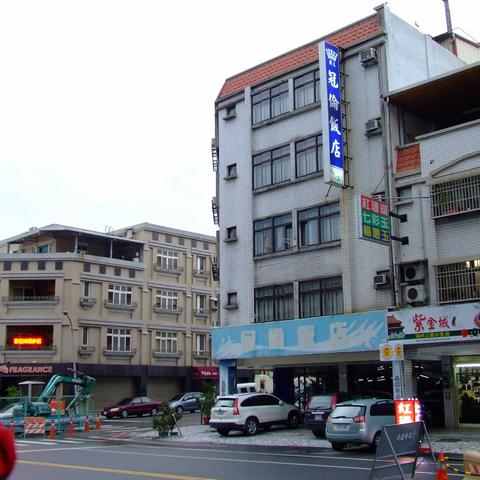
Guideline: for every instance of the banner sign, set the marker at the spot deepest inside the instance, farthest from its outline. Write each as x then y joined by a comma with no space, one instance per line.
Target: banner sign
331,114
26,369
373,220
335,333
407,411
444,323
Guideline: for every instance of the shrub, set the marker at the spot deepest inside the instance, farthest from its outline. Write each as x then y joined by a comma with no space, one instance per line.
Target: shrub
165,422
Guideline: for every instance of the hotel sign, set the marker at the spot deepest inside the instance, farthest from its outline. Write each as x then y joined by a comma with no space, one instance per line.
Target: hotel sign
331,112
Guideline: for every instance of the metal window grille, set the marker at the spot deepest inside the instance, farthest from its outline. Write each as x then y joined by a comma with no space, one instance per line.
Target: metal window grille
455,197
458,282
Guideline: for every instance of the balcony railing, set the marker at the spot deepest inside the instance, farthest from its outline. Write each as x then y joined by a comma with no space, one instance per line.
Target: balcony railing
168,271
21,350
201,312
201,354
167,311
215,210
458,282
86,350
167,355
120,306
200,273
35,299
120,353
87,302
214,155
455,197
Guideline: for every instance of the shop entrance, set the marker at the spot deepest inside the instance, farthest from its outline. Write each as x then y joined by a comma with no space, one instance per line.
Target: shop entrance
468,393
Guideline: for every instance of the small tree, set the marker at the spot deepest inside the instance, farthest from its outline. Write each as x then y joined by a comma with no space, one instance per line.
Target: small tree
13,391
207,402
165,421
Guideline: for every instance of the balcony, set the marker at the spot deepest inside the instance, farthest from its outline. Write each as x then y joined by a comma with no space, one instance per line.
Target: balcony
37,300
85,351
126,307
201,355
87,302
200,273
45,350
215,271
455,197
167,311
201,312
120,353
167,355
168,271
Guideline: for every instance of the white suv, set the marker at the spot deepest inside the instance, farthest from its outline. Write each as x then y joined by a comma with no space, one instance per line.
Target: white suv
249,411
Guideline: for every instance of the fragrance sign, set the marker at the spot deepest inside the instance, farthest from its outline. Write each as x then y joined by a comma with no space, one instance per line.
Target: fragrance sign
373,220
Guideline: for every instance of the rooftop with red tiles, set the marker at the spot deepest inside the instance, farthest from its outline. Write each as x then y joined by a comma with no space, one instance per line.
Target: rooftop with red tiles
347,36
408,158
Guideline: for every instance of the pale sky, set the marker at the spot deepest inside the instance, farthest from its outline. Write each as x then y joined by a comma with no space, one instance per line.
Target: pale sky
107,106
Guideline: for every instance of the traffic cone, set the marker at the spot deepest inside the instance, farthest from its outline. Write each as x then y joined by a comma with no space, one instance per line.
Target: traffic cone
98,424
12,428
87,425
53,432
442,473
70,430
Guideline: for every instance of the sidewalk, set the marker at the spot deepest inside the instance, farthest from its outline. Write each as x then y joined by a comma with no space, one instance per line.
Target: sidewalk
448,441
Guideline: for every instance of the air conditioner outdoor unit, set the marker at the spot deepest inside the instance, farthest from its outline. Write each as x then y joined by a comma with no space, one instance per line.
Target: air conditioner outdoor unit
413,272
414,293
368,56
372,126
381,280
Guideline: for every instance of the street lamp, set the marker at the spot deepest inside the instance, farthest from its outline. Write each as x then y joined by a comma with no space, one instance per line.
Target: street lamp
73,350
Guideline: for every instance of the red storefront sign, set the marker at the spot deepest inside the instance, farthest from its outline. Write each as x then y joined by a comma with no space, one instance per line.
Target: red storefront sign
407,411
205,373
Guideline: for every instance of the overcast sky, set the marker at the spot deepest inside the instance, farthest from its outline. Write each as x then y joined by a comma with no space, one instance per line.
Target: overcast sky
107,106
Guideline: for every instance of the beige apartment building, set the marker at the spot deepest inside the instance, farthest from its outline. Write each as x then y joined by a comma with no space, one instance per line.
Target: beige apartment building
132,308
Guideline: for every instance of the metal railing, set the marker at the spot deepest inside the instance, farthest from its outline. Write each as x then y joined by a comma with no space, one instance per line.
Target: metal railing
458,282
456,196
33,298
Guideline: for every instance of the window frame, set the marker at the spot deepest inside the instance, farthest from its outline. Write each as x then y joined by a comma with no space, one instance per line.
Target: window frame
166,341
319,218
270,226
119,294
323,289
119,340
269,96
271,158
303,146
167,259
200,338
314,82
274,297
166,300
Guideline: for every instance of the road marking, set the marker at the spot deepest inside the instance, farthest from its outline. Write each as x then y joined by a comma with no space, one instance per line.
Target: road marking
113,470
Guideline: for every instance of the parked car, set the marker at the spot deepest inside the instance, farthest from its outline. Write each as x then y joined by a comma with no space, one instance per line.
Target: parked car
185,402
247,412
133,406
318,409
359,422
33,409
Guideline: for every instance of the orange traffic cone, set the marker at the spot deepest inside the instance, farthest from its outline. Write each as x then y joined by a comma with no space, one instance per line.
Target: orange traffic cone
70,430
12,428
441,471
87,425
53,431
98,424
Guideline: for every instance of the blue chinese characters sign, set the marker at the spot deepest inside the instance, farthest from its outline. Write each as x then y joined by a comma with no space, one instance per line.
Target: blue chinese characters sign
337,333
331,100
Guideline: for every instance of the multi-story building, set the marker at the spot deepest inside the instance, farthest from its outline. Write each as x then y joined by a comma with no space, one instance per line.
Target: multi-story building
302,291
132,308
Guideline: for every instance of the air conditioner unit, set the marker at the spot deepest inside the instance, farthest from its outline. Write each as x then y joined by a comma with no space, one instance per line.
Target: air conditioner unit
381,279
372,126
414,293
412,273
368,56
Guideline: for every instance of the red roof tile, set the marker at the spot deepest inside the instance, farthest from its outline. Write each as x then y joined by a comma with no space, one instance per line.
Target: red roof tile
408,158
355,33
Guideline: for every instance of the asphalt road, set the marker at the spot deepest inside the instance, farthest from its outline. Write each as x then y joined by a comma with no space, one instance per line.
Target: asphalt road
83,457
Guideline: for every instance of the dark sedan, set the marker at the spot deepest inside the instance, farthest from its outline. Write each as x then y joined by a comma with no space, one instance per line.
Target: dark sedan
136,406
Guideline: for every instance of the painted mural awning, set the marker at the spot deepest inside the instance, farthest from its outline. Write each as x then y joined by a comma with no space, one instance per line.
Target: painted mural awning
356,332
205,373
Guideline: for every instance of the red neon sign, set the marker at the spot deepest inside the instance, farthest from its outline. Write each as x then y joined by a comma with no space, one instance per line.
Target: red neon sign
27,340
407,411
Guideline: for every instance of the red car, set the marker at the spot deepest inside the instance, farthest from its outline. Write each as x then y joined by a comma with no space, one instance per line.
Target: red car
136,406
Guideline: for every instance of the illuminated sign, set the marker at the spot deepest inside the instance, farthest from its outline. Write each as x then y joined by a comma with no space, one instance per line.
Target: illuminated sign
391,351
407,411
373,220
28,341
331,115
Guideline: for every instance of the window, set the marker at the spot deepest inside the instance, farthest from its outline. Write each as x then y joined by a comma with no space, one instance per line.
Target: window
201,264
307,89
319,225
230,111
459,282
167,342
321,297
274,303
273,234
167,300
131,273
201,303
206,246
102,269
58,265
232,170
7,266
232,233
168,238
155,236
232,299
23,265
181,241
271,167
41,265
200,343
456,196
118,340
308,156
86,267
194,243
86,289
119,295
84,336
42,249
117,271
270,103
167,259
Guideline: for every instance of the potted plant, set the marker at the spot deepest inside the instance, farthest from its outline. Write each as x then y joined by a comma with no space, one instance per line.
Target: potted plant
206,402
166,421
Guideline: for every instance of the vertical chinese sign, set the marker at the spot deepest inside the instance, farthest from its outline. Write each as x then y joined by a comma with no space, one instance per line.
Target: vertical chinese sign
331,101
407,411
373,220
